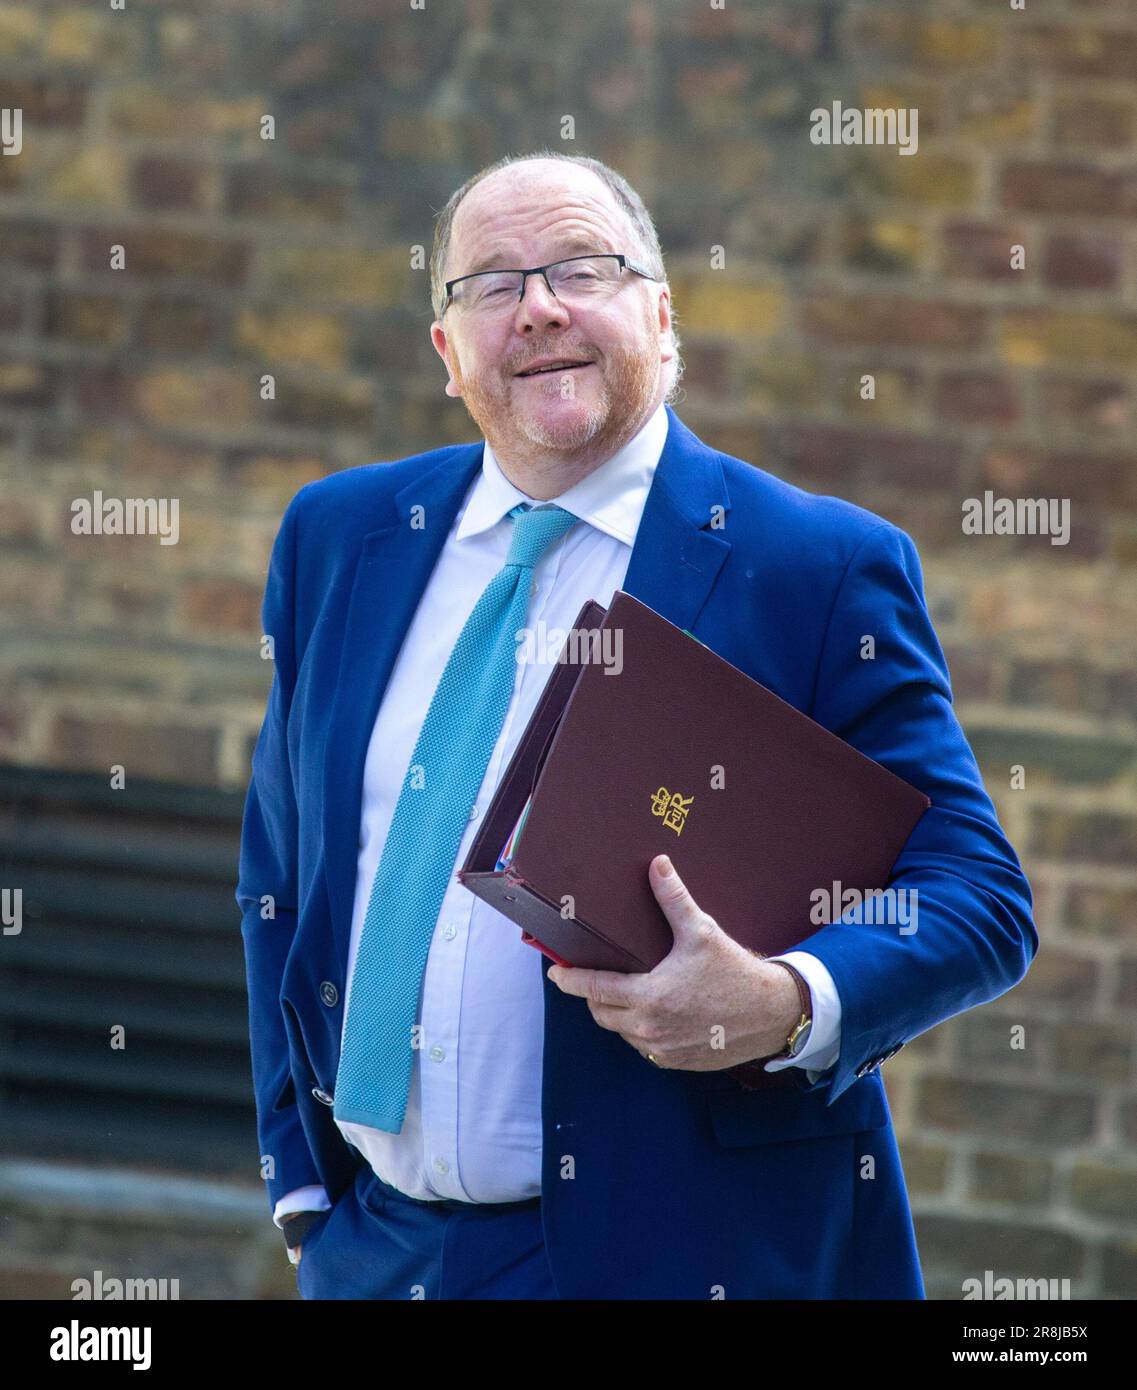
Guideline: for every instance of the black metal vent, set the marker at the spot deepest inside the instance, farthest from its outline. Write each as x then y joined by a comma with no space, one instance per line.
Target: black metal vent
128,917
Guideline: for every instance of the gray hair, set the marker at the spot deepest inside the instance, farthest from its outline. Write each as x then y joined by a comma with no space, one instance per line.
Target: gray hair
625,197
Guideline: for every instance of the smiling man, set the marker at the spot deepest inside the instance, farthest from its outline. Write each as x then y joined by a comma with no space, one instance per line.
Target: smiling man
441,1113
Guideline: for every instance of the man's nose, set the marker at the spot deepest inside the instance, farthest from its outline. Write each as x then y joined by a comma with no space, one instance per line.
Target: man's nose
539,302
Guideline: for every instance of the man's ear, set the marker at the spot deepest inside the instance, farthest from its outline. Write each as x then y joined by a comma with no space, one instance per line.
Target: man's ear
438,338
663,309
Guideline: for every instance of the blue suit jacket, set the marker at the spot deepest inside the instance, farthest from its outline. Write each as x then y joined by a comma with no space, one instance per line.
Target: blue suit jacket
656,1183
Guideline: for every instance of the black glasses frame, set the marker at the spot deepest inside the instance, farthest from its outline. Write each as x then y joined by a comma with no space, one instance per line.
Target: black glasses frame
540,270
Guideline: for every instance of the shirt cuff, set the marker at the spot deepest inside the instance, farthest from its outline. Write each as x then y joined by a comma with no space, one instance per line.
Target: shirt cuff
824,1045
300,1199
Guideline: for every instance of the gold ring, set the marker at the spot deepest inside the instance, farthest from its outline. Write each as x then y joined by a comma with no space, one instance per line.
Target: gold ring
652,1059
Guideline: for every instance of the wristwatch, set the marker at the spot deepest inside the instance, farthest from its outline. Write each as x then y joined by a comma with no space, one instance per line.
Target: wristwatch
295,1226
799,1033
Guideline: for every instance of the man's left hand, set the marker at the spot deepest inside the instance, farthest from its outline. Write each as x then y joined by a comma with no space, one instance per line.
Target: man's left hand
709,1004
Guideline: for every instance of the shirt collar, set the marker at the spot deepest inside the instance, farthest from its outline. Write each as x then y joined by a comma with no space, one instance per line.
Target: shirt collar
611,497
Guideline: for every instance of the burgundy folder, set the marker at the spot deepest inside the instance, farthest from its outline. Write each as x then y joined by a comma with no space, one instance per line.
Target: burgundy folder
646,742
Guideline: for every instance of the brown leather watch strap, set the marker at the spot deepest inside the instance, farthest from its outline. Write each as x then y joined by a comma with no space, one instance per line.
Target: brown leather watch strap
806,1001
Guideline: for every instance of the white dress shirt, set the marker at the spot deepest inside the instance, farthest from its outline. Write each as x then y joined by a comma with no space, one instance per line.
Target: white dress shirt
472,1129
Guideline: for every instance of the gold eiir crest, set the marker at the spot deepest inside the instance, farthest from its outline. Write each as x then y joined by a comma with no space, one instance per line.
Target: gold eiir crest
672,807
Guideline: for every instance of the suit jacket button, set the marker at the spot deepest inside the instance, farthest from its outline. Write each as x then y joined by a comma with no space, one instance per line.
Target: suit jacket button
322,1096
329,994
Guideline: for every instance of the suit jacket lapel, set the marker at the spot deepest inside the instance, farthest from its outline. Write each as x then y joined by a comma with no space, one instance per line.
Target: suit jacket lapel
674,560
394,566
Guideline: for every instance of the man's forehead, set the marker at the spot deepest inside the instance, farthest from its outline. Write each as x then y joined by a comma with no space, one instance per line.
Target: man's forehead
501,208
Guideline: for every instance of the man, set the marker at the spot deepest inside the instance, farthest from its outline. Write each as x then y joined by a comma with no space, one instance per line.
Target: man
442,1113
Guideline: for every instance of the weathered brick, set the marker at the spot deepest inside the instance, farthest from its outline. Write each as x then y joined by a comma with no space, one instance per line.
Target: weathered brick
110,600
1102,404
977,397
926,1168
1065,683
28,384
1078,261
1063,188
981,250
1051,759
80,317
89,176
32,586
86,40
1034,337
172,184
990,1037
1119,1267
1092,121
207,395
1080,50
882,243
1094,837
891,319
1101,1051
278,333
716,303
898,393
19,522
14,722
940,44
345,273
52,101
29,243
968,1247
21,31
824,452
894,90
101,390
153,110
194,45
1058,978
162,459
253,191
1011,1111
1100,911
171,751
1014,1178
1098,480
420,135
177,324
343,404
153,251
221,605
1105,1189
11,313
283,474
938,180
989,114
972,670
1125,995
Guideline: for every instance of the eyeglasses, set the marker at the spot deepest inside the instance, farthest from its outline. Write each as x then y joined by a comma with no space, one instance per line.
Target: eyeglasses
575,280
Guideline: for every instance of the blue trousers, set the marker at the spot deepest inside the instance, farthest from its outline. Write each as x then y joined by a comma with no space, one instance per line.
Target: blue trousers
376,1242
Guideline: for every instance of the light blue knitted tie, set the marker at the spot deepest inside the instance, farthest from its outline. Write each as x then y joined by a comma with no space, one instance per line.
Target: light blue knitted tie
446,772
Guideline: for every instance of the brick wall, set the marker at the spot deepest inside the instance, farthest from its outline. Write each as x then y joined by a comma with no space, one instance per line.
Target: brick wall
293,257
